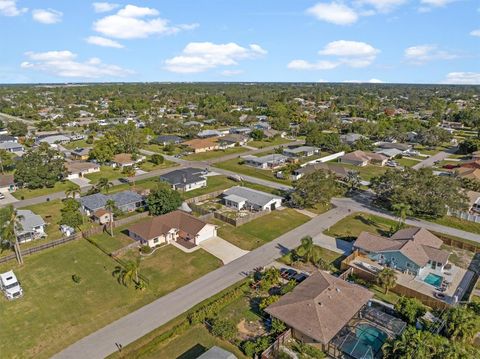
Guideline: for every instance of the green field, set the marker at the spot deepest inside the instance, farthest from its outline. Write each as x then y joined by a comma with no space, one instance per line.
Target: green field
458,223
267,143
366,172
214,183
407,162
105,172
205,156
55,311
235,165
261,230
77,144
148,166
327,255
26,193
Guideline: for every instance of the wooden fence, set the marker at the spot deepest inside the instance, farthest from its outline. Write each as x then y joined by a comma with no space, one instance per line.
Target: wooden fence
42,247
272,351
204,197
236,222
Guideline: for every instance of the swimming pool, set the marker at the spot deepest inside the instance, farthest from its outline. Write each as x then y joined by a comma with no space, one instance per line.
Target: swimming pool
433,279
367,342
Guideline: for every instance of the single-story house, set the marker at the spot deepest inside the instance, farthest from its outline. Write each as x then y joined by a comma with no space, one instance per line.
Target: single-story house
193,124
54,139
198,145
339,171
233,140
410,250
320,307
125,201
469,173
361,158
398,146
241,130
79,169
7,183
265,162
126,160
173,226
209,133
389,152
185,179
217,353
33,226
474,201
351,138
7,138
270,133
102,216
261,126
167,139
80,154
301,151
241,198
11,147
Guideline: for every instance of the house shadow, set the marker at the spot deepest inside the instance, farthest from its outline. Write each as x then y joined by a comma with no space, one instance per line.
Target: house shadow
283,250
193,352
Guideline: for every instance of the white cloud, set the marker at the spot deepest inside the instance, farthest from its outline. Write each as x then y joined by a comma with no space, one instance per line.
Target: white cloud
376,81
47,16
130,23
463,78
475,33
100,7
231,72
9,8
371,81
422,54
382,6
349,53
64,64
104,42
436,3
202,56
305,65
334,12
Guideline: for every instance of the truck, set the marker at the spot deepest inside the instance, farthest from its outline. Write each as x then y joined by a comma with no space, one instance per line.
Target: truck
10,286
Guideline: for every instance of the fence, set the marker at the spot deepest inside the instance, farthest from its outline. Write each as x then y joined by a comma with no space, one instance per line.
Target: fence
236,222
272,351
465,216
204,197
118,223
326,158
52,244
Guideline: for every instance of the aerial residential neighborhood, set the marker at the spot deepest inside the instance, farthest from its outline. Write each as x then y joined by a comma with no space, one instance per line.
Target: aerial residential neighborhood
243,179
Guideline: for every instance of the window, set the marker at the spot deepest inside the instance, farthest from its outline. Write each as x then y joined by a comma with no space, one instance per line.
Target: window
155,240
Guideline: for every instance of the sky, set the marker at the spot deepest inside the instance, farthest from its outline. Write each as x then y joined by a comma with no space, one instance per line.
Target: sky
391,41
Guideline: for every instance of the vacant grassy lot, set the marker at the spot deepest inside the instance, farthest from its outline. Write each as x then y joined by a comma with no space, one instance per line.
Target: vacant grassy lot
148,166
458,223
105,172
26,193
205,156
262,230
350,227
327,255
235,165
214,183
267,143
366,172
55,311
407,162
77,144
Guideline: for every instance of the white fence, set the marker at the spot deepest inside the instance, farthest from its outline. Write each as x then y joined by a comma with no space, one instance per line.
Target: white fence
465,216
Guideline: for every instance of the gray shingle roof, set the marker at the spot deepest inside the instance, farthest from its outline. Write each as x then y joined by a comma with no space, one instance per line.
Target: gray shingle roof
99,200
250,195
183,176
29,221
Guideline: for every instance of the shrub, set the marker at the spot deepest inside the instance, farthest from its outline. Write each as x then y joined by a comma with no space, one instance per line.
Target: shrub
157,159
224,328
145,249
76,278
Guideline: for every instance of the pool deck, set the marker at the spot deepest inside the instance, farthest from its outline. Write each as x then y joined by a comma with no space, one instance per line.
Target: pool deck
458,278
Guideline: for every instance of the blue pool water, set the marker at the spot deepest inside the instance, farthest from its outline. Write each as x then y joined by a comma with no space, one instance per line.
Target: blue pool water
369,340
433,279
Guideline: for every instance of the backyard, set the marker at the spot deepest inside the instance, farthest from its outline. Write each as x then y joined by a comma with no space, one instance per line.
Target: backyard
261,230
365,172
54,306
25,193
205,156
268,143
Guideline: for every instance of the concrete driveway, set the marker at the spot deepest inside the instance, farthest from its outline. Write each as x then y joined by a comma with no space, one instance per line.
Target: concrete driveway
8,199
81,182
223,250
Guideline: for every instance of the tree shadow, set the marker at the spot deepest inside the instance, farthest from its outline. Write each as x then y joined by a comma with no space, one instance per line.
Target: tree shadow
193,352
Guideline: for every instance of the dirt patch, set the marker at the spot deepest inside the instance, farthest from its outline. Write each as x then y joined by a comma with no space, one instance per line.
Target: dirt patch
463,258
250,329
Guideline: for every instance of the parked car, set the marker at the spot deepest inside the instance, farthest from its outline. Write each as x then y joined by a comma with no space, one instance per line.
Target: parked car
2,196
235,178
300,277
392,164
123,180
10,286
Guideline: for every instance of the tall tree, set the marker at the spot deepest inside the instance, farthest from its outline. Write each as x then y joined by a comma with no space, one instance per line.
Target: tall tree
104,184
130,274
315,188
110,207
163,200
10,226
387,279
73,191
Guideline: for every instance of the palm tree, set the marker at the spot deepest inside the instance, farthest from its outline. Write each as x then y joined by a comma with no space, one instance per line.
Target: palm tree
4,157
462,324
73,191
10,225
104,184
402,210
387,279
353,180
110,207
130,172
129,274
307,248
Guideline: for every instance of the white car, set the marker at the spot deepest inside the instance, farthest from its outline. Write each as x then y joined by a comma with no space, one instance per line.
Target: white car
10,286
392,164
2,196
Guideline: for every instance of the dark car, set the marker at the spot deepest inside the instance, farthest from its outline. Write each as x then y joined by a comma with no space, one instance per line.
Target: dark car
300,277
123,180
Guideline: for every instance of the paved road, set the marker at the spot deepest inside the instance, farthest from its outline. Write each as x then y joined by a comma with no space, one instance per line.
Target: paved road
440,156
137,324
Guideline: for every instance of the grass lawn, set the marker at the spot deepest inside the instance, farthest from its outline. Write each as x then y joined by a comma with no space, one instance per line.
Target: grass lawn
390,297
235,166
350,227
109,243
77,144
366,172
148,166
50,212
458,223
267,143
261,230
159,149
149,183
107,172
214,183
26,193
407,162
329,256
205,156
55,311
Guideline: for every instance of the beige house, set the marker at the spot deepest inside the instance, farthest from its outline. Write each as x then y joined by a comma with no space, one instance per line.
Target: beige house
126,160
79,169
361,158
102,216
199,145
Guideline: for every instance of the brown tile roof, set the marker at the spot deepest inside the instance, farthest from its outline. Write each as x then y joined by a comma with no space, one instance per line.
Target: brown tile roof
160,225
364,156
198,143
6,180
74,167
437,255
373,243
471,173
100,213
320,306
420,236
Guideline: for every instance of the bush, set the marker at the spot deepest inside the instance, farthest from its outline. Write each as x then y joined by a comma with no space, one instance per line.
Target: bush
157,159
76,278
410,309
256,346
224,329
145,249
